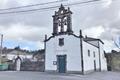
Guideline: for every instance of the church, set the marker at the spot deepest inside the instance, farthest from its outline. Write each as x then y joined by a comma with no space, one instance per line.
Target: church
66,52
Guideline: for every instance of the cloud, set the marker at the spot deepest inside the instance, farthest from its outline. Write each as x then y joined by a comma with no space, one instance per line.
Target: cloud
99,19
3,3
109,45
107,3
94,31
23,32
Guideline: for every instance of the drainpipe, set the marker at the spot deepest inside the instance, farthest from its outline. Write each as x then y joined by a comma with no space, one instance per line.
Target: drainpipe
45,51
99,56
81,51
1,49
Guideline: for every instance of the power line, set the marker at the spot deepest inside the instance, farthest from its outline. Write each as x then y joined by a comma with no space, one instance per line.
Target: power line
30,10
52,7
32,5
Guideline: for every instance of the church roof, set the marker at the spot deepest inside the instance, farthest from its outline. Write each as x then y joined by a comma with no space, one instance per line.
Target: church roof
92,39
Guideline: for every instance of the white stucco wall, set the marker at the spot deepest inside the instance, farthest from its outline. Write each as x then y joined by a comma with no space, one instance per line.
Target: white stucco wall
14,56
15,53
89,60
71,48
103,59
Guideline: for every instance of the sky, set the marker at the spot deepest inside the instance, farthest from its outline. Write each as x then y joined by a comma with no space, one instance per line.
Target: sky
99,20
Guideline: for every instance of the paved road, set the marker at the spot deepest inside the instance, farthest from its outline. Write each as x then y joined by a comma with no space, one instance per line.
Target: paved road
9,75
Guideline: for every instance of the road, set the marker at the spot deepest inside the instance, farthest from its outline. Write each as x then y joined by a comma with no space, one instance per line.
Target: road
12,75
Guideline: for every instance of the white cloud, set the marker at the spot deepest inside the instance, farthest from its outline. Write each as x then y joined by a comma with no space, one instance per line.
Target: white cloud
26,48
3,3
33,25
106,3
23,32
94,31
109,45
40,45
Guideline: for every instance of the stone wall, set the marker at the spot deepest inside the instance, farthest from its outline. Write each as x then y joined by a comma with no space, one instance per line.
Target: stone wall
29,66
32,66
113,61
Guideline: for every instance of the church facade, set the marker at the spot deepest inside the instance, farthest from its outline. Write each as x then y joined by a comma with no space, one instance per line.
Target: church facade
66,52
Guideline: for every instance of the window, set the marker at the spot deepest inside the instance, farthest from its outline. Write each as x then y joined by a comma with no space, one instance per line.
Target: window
94,53
61,41
89,53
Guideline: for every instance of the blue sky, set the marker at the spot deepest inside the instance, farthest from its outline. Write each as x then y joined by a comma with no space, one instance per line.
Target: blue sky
22,44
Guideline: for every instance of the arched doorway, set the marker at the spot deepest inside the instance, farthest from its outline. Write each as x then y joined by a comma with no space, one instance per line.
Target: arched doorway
17,63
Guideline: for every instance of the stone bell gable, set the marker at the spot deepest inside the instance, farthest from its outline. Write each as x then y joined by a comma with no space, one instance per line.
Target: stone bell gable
62,22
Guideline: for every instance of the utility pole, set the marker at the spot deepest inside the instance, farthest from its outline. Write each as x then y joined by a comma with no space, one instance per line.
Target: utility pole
1,48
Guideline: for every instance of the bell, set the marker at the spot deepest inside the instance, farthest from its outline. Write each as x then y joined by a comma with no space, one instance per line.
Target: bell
59,24
65,23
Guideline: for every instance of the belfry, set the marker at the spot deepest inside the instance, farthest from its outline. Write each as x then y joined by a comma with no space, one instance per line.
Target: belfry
62,23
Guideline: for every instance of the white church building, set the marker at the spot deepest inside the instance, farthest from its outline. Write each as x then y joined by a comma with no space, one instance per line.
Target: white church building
66,52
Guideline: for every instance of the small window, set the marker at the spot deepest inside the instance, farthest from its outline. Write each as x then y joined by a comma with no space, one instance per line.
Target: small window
94,53
89,53
61,41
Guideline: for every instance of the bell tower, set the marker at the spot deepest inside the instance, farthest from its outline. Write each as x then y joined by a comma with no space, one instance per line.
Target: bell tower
62,22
